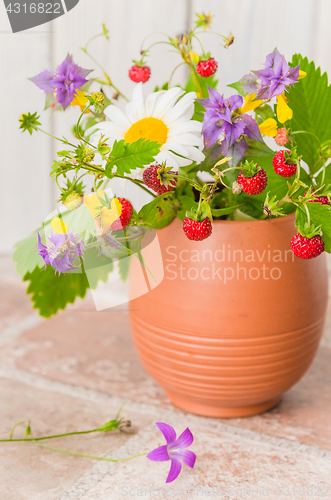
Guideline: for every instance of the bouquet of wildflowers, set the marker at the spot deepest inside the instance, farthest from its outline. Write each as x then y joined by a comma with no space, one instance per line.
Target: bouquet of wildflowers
261,153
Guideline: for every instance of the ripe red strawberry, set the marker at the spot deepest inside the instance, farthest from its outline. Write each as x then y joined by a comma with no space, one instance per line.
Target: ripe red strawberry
125,217
207,68
307,248
139,73
281,137
197,230
324,200
151,177
281,167
255,184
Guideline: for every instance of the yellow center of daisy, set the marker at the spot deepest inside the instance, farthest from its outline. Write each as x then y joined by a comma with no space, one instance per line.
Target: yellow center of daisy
151,129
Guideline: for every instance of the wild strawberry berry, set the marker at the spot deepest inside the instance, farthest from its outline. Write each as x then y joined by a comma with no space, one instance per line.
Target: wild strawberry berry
151,177
73,201
281,137
255,184
307,248
139,73
281,167
125,217
324,200
197,230
207,68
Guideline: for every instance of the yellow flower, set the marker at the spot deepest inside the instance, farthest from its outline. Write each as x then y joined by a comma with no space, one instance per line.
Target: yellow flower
250,104
80,100
284,112
269,127
59,226
302,74
109,215
93,202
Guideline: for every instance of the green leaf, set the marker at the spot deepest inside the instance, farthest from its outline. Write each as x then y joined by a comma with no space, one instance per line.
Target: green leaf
256,149
310,100
51,293
190,86
320,215
128,157
276,186
218,212
159,212
26,255
187,204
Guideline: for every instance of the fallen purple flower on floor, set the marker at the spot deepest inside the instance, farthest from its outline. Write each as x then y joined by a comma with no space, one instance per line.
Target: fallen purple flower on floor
175,450
64,81
60,251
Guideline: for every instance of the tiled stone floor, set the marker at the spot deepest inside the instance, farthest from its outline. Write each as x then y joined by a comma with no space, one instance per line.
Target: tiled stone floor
74,371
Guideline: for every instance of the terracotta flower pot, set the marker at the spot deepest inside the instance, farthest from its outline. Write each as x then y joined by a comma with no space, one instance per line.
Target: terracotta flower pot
236,320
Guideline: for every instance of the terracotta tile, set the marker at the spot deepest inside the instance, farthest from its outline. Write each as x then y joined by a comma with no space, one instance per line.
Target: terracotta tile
28,472
95,350
91,349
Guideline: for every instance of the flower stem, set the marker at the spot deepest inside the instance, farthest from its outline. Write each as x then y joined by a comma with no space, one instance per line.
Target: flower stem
172,74
137,182
54,137
88,456
45,437
77,127
307,132
200,92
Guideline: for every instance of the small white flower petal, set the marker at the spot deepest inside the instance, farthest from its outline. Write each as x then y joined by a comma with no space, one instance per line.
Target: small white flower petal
138,101
195,154
150,102
190,139
185,104
116,115
167,102
188,127
176,148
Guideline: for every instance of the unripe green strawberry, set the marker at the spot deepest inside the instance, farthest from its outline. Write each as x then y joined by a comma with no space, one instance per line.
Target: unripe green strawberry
73,201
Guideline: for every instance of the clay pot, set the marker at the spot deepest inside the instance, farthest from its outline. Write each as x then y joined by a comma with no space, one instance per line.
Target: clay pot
235,321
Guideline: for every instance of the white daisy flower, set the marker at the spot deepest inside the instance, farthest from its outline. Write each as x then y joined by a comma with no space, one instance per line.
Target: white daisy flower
160,117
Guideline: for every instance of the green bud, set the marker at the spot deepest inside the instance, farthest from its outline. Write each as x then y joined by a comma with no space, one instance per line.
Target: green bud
29,122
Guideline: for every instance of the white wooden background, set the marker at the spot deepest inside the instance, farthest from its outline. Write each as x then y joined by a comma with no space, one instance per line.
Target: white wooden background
26,192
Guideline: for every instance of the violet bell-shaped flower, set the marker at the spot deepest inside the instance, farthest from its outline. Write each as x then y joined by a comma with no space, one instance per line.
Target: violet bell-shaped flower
64,81
61,251
175,450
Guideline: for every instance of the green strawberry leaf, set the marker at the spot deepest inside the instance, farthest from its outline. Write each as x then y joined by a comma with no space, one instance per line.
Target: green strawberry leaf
128,157
26,256
310,100
51,293
320,215
187,204
158,213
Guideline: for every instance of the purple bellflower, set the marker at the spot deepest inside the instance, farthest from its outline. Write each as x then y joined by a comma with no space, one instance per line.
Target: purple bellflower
270,81
175,450
60,251
224,122
64,81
